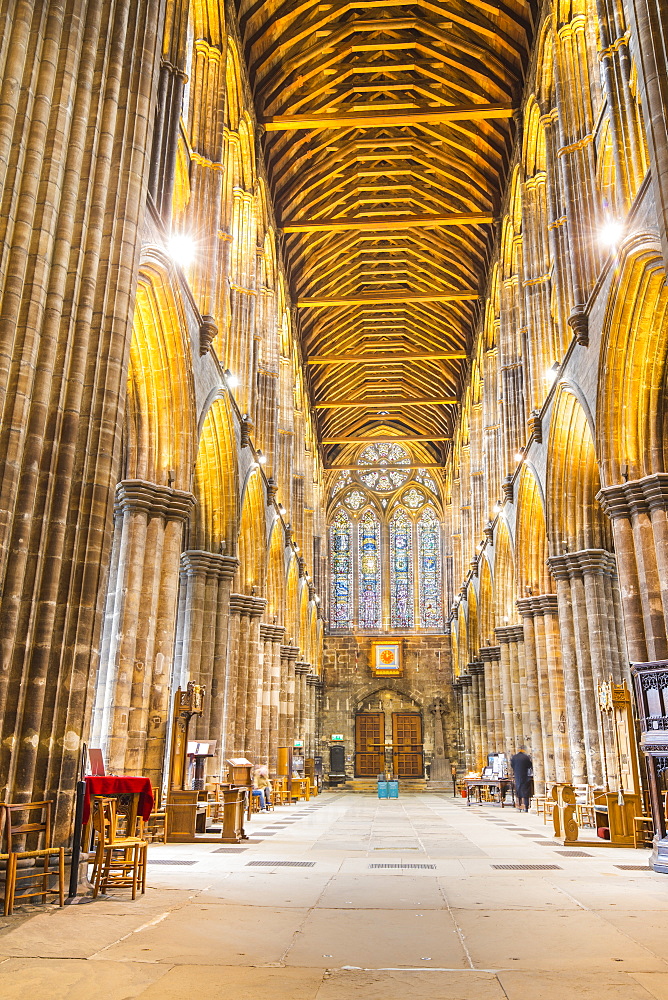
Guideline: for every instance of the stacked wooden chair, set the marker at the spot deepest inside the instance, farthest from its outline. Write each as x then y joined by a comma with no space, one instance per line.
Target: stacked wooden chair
35,829
119,861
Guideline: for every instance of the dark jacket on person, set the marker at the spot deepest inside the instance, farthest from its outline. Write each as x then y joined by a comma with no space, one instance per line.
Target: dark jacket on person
523,773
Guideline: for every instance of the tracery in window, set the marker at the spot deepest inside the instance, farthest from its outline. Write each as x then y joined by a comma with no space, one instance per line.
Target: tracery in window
355,499
369,607
423,477
402,613
429,571
341,563
414,498
384,453
344,479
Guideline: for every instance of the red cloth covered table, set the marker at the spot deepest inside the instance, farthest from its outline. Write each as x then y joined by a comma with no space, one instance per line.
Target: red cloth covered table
120,784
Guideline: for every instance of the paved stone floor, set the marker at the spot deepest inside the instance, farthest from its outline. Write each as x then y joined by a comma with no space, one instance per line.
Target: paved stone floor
348,896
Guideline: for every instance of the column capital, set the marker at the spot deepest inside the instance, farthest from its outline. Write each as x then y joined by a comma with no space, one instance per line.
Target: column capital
139,495
573,564
313,680
536,607
271,633
244,604
197,561
289,653
509,633
489,653
463,681
302,668
476,668
639,496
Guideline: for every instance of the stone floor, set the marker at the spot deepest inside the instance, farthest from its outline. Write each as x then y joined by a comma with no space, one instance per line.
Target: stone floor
348,896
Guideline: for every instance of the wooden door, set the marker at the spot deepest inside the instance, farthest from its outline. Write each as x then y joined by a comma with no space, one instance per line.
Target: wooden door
407,750
369,744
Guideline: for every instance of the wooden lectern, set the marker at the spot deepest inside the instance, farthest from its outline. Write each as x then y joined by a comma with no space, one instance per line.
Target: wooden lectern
182,802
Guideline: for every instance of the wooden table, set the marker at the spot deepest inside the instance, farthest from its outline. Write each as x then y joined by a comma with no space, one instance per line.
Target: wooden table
499,787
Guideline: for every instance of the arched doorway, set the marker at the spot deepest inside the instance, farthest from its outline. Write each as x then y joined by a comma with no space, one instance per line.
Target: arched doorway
389,736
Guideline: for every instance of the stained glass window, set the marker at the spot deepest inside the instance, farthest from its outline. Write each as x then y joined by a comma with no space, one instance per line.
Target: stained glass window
429,571
341,562
423,477
384,480
368,534
401,572
342,481
414,498
384,453
355,499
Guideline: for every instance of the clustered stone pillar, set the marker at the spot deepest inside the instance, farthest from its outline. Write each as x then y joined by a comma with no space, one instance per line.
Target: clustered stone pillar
270,636
512,669
463,686
313,685
592,649
543,663
476,671
301,699
286,717
638,510
132,708
203,638
242,726
490,657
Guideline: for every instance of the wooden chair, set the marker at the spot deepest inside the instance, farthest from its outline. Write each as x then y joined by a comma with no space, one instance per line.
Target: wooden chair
156,825
585,813
120,862
544,804
36,828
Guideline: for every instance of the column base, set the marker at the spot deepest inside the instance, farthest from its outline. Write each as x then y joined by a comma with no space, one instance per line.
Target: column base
659,856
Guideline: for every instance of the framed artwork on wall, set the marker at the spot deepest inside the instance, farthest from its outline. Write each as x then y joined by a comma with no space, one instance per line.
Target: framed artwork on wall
386,659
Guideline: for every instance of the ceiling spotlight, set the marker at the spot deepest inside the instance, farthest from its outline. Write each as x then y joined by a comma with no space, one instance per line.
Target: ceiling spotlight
181,249
383,413
232,380
611,233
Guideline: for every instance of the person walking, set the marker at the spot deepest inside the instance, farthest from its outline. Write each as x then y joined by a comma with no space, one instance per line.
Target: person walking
522,766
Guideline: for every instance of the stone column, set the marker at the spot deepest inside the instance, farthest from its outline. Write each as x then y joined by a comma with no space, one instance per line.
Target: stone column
534,698
132,704
465,684
202,647
574,715
515,648
274,696
254,667
638,510
233,644
477,672
490,656
505,635
301,698
313,683
286,724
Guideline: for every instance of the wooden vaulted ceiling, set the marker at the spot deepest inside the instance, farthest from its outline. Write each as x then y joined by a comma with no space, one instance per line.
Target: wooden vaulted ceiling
388,127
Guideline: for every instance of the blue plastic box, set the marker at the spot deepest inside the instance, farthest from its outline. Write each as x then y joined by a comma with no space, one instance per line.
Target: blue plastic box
382,789
393,789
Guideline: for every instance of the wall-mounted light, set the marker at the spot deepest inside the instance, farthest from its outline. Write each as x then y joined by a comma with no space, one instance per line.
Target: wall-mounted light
281,509
519,455
232,380
552,372
181,249
262,459
497,508
611,233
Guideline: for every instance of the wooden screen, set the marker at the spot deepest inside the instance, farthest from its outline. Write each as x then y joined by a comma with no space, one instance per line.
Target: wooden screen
407,751
369,744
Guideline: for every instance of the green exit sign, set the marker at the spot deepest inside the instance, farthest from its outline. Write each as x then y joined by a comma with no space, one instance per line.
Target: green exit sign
337,737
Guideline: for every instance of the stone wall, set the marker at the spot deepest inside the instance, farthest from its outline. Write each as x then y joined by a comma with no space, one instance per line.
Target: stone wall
349,687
